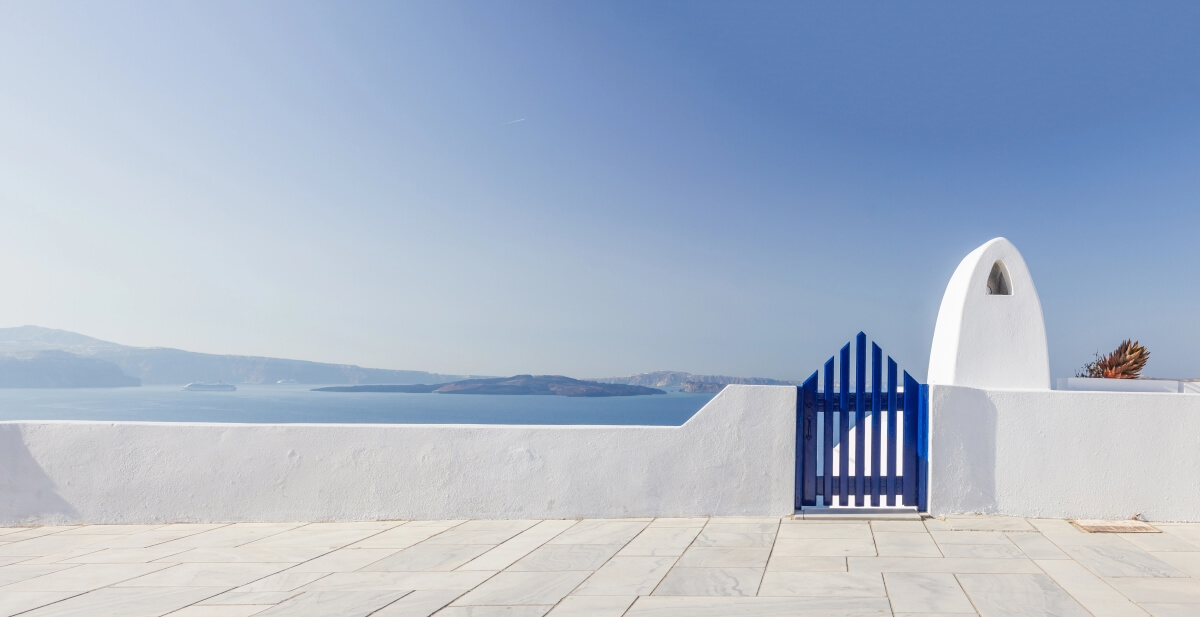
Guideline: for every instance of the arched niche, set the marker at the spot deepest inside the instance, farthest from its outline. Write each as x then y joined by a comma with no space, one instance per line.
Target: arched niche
990,331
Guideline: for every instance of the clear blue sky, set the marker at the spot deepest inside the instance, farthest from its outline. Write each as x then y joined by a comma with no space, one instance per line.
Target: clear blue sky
709,187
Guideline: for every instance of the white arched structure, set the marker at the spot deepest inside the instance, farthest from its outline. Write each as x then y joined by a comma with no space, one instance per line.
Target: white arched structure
990,332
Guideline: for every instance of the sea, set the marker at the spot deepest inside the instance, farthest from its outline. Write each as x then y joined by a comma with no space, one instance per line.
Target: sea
299,404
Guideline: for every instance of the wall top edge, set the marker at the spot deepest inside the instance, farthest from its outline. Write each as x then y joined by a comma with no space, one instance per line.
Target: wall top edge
341,425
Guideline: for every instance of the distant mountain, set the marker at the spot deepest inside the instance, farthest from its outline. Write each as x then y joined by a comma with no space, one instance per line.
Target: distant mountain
162,365
521,384
59,369
675,379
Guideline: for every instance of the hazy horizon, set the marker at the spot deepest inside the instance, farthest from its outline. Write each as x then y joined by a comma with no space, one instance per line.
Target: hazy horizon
594,189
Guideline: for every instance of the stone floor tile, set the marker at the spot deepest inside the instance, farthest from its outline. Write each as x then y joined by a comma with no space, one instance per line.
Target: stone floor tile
719,557
421,603
983,551
316,537
936,615
829,548
1185,562
345,560
822,584
676,522
426,557
716,526
445,524
731,539
13,559
385,581
4,531
934,524
233,535
1094,594
114,602
1158,590
126,555
20,572
674,606
860,530
626,576
288,580
504,555
988,523
400,537
1019,595
926,592
666,541
464,535
905,544
210,610
104,530
494,611
806,563
54,558
592,606
86,577
1036,546
1159,542
745,520
710,582
1111,561
260,598
970,537
50,544
954,566
513,588
560,557
15,602
600,532
1189,532
248,554
157,536
204,575
899,526
1172,610
840,515
334,604
25,533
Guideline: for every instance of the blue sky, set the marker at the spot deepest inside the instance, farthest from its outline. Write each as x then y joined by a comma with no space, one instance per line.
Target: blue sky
710,187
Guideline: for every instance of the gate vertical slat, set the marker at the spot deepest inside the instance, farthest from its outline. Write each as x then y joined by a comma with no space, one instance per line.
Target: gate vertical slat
806,442
923,448
876,379
891,431
912,398
844,427
860,421
827,446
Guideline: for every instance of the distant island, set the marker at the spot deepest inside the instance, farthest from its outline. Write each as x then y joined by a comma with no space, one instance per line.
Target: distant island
551,385
677,379
59,369
166,366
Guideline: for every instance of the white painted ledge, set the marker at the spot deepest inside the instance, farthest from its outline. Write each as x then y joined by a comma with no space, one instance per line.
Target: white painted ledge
734,457
1089,384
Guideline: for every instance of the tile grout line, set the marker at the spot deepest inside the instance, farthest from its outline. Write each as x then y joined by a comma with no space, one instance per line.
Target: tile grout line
774,541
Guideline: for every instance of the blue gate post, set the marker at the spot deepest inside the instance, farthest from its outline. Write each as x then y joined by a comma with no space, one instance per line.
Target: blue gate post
806,443
909,477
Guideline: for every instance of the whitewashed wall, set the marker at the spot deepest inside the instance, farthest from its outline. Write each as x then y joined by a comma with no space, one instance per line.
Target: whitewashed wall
1064,454
736,456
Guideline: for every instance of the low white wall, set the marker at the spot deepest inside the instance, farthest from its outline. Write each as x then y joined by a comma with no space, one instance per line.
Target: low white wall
735,456
1064,454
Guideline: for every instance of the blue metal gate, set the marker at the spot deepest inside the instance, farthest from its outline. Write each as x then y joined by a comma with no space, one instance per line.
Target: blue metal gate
833,463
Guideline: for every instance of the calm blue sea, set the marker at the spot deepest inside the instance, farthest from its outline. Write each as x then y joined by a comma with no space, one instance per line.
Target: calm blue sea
279,403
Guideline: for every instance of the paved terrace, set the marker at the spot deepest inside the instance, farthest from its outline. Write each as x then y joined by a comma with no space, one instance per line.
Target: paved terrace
986,566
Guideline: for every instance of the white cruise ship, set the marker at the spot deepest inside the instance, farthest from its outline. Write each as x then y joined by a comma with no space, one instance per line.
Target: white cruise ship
198,386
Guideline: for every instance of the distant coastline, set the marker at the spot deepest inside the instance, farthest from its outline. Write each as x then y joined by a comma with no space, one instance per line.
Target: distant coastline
545,385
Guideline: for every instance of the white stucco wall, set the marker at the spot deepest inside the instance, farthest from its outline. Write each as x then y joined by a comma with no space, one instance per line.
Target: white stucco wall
1064,454
990,341
735,456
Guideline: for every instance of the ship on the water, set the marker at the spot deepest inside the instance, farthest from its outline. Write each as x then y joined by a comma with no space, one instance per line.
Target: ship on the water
198,386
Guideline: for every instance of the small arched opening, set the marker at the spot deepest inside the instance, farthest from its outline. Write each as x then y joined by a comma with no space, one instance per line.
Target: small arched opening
998,282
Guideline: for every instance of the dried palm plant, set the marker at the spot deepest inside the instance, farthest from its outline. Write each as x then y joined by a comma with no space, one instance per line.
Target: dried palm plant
1126,362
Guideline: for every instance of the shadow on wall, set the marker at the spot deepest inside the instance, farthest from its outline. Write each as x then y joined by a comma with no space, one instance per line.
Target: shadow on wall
26,492
966,456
